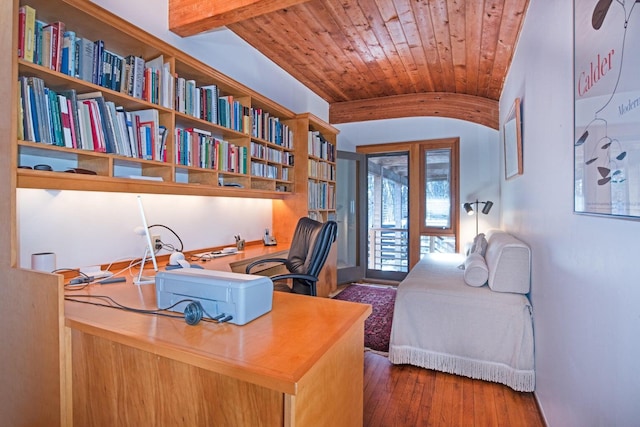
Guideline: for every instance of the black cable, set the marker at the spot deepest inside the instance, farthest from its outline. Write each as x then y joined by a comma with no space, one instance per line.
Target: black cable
193,313
174,233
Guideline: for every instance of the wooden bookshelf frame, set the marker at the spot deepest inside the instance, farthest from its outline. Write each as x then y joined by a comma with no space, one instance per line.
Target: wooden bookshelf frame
94,22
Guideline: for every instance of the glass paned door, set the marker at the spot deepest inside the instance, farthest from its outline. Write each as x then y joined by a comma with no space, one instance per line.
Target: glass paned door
388,215
351,225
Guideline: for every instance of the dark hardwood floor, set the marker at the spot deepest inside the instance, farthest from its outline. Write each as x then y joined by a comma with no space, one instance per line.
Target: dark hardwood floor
403,395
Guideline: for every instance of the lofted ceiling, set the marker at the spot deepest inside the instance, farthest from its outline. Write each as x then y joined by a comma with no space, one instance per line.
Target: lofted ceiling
376,59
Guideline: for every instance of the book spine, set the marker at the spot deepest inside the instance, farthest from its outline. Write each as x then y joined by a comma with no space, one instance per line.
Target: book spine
65,121
53,57
55,118
85,59
22,18
47,36
96,76
85,126
37,42
68,66
138,77
73,123
106,63
117,72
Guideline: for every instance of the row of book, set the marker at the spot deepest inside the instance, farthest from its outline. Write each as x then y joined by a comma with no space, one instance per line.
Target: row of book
259,151
206,103
270,128
322,170
88,122
199,148
60,49
54,46
321,195
264,170
319,147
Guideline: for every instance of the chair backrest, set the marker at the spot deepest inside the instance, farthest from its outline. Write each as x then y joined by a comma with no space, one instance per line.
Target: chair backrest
309,249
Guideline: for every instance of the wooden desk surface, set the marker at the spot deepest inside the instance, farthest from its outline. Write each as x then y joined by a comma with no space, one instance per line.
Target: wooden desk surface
250,253
274,350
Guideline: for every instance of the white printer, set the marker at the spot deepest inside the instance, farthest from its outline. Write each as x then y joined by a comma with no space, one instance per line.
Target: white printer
244,297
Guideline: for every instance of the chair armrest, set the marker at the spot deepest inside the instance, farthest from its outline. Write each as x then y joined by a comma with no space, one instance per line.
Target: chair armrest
264,261
293,276
311,279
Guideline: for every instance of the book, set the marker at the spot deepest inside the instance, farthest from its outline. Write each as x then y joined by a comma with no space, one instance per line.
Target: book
54,57
37,42
46,52
27,117
40,110
68,61
22,17
55,123
147,125
209,102
85,48
112,118
153,81
180,101
84,126
66,121
137,76
95,123
71,107
71,96
117,72
97,70
107,69
106,136
121,128
131,131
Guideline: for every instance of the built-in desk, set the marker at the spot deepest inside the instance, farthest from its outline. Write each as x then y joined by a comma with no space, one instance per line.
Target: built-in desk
238,262
299,365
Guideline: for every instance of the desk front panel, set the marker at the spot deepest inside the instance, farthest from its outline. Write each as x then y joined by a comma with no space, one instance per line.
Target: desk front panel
118,385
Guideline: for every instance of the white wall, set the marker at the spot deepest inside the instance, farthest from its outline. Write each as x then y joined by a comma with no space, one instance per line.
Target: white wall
479,157
585,289
88,228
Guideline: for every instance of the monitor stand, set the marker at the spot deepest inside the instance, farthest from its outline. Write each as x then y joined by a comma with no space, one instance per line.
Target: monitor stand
143,280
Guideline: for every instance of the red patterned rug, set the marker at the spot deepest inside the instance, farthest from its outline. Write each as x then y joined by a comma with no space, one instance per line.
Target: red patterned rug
377,328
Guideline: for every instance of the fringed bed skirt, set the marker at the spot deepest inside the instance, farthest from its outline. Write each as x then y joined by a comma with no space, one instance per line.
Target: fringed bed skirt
476,369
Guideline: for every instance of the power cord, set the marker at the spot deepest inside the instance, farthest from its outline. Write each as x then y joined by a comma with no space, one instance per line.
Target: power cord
193,313
173,232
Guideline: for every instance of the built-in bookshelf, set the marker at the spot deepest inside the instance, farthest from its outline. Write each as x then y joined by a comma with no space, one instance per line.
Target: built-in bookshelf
315,173
321,181
124,111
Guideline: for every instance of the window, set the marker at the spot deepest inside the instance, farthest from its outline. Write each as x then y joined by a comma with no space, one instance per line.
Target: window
439,194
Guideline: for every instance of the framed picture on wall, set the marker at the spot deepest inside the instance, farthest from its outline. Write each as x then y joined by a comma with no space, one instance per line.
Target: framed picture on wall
607,108
512,137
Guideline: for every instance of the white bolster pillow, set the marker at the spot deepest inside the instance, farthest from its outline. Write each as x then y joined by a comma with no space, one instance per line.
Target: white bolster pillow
476,272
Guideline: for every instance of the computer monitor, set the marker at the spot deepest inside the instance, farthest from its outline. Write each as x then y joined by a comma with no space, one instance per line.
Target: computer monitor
149,250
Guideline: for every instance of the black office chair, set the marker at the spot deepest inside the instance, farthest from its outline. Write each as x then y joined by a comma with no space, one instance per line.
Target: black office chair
309,249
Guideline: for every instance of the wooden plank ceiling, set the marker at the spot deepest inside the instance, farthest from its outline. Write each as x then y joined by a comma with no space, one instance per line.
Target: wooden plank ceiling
376,59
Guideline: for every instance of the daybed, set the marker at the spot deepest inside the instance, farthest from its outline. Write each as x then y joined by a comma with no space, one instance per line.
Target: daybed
480,327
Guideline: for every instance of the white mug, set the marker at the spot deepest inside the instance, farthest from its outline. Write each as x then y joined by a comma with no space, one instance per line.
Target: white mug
43,261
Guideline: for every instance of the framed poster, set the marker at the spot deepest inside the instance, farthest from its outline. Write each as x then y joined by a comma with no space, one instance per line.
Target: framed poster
512,136
607,107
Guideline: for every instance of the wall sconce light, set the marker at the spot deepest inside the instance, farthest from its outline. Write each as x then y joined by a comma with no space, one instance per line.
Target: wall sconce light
470,210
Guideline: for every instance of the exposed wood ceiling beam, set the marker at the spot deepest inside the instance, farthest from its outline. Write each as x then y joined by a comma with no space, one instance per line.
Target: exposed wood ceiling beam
471,108
189,17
